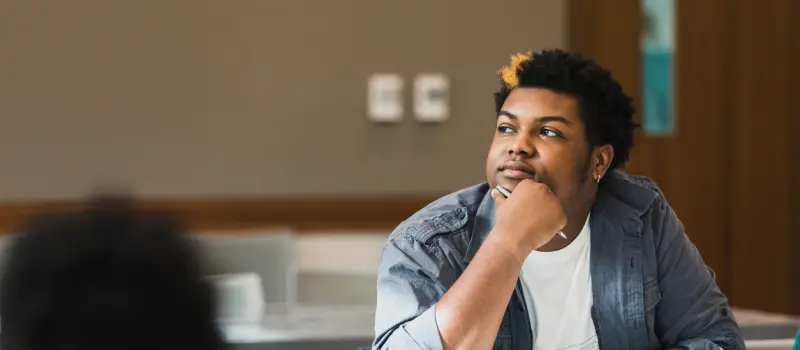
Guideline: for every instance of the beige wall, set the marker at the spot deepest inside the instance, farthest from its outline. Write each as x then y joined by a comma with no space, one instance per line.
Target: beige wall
187,97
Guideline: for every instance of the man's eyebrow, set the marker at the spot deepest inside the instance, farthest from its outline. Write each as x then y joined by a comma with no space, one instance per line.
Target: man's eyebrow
542,119
554,118
507,114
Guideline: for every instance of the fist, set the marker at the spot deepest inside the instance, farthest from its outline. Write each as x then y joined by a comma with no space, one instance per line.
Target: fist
530,217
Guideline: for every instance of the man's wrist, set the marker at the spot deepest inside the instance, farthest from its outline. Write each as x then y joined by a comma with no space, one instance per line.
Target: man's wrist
507,247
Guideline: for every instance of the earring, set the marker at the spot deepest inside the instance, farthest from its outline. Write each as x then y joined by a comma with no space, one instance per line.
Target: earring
597,178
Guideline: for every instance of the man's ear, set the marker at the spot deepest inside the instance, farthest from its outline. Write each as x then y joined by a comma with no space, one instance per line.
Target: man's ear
601,161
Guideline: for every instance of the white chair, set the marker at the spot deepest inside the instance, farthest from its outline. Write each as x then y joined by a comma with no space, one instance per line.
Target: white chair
268,253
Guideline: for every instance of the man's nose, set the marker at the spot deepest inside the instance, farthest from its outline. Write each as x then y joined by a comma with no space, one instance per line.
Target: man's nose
522,146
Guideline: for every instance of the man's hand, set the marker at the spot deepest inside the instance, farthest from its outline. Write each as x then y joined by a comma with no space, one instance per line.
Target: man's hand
529,218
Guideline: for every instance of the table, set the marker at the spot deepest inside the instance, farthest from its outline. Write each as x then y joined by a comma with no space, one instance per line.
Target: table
308,328
763,325
351,327
769,344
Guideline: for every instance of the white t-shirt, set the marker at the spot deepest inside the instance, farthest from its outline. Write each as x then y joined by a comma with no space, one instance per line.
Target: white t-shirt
558,293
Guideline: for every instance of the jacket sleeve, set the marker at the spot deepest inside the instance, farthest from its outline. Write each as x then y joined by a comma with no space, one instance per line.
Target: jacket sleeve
409,285
693,313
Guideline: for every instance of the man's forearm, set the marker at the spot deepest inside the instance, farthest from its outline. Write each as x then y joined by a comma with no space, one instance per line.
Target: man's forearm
469,314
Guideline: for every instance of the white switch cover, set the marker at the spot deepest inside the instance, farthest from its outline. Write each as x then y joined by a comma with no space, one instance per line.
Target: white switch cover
431,98
385,98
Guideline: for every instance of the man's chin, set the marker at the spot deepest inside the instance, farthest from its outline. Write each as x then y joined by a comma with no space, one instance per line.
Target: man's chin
509,184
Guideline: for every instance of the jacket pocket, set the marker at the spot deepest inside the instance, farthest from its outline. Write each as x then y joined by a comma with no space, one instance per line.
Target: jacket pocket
652,295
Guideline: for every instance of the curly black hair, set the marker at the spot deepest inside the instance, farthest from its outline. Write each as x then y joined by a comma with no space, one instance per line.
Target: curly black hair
107,277
605,109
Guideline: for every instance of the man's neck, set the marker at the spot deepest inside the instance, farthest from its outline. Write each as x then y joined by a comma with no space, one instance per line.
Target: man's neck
576,219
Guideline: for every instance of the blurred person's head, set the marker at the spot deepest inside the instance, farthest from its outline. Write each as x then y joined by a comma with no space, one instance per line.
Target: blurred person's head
563,118
109,277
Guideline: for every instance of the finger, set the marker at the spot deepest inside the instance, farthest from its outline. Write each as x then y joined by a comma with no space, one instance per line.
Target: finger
498,197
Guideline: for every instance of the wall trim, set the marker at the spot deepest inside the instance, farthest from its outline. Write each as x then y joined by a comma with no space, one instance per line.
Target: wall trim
330,214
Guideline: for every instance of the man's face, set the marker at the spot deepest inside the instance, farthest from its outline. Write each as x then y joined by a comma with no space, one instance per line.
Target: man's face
540,132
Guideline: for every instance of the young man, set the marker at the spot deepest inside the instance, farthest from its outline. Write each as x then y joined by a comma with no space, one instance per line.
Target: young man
474,270
109,277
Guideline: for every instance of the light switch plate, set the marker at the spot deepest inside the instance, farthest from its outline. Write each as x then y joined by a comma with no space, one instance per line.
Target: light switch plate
432,98
385,98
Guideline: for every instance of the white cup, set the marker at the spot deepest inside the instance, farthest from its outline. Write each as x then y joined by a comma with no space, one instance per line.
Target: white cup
240,298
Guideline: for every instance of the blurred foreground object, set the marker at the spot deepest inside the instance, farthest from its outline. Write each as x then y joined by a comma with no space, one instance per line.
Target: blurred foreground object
109,276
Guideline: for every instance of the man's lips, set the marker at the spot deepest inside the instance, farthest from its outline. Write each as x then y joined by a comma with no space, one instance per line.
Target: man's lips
516,174
517,170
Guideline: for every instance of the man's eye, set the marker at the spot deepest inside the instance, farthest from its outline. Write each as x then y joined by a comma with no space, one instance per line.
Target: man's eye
504,129
549,133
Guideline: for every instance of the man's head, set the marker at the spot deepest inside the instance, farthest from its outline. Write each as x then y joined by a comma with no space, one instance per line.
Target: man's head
109,277
562,118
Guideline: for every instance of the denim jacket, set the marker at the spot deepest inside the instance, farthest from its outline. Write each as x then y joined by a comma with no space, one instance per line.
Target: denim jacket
651,288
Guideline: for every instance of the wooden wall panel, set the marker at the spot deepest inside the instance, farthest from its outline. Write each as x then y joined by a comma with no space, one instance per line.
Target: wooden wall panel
761,222
794,135
693,162
377,214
